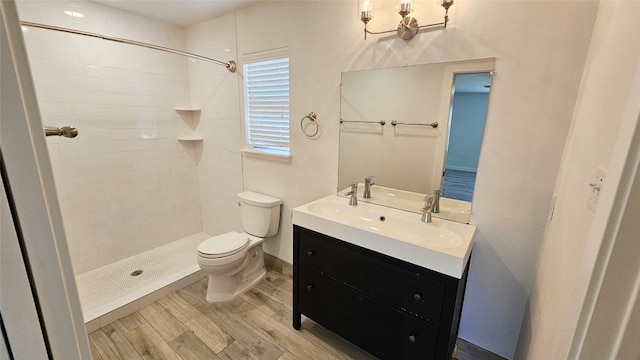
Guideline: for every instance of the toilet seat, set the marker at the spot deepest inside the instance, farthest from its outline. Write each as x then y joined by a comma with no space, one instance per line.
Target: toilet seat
223,245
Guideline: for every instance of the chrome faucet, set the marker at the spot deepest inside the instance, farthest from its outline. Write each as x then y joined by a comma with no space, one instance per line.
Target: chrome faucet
436,201
353,200
367,187
426,210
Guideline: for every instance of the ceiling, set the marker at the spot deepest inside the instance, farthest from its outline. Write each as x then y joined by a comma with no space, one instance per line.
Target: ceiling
178,12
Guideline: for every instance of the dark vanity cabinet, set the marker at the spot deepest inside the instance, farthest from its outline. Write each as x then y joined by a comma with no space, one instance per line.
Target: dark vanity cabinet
388,307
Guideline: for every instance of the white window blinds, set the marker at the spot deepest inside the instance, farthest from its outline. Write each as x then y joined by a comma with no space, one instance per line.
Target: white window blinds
266,86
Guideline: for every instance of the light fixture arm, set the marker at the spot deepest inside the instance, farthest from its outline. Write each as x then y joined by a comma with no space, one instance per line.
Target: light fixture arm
367,31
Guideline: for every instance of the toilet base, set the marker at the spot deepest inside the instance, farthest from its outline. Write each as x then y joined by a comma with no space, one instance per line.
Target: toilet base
214,295
225,287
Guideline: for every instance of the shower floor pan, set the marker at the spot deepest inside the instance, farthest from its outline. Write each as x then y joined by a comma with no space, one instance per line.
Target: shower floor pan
118,289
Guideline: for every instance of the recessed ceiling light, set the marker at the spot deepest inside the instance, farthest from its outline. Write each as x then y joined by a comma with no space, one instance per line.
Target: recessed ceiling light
74,13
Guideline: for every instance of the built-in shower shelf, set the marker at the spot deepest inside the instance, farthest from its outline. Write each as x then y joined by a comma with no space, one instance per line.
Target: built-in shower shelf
187,109
190,138
191,116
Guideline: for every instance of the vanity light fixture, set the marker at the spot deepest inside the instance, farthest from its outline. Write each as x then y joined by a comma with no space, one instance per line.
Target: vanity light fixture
408,26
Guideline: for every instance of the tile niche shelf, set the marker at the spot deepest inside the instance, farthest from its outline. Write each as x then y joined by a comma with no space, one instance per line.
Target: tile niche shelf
190,138
187,109
192,114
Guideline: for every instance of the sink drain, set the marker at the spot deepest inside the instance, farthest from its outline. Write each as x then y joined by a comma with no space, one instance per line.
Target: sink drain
136,273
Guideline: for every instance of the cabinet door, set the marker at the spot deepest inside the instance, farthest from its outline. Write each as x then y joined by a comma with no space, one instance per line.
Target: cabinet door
379,329
397,286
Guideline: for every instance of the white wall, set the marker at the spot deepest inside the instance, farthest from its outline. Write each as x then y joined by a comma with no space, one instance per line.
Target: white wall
403,157
466,129
216,91
540,47
567,256
125,184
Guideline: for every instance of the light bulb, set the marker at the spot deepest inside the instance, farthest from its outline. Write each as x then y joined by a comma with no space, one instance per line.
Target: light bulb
366,10
366,5
404,8
446,3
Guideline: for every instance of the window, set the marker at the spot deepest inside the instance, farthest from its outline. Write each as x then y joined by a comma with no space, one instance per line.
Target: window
266,92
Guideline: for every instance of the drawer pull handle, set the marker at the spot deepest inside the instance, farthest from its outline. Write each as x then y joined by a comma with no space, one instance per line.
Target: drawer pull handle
310,253
417,297
412,339
309,287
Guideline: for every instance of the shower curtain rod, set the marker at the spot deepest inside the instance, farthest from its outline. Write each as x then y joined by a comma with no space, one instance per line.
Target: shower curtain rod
231,65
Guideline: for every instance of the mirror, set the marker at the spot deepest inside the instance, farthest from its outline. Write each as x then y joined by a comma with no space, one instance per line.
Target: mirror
414,129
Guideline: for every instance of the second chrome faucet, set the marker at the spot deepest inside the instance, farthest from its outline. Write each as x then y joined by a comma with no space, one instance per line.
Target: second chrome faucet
367,187
431,206
427,209
353,200
436,201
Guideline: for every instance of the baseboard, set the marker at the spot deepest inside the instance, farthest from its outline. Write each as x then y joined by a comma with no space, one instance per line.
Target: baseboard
278,265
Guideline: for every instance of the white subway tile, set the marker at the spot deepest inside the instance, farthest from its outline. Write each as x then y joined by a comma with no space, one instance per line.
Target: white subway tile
82,83
88,110
50,80
126,182
118,87
120,111
75,148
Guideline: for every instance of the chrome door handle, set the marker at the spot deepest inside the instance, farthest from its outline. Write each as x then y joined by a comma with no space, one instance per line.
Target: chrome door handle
66,131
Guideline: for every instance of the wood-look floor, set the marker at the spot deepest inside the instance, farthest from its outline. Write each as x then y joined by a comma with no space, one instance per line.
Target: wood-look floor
257,325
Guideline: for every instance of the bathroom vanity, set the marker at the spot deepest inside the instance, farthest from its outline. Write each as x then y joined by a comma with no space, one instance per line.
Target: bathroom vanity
380,278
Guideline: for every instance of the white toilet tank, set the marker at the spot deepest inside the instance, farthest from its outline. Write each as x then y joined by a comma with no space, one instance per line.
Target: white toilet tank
260,213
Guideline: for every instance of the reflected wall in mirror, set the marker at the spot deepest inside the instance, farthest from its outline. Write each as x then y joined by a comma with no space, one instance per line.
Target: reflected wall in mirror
412,156
466,126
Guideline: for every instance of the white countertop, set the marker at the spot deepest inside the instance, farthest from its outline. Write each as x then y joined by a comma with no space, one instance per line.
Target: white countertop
443,246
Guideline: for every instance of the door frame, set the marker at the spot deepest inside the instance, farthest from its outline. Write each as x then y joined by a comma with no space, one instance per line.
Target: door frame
608,288
33,193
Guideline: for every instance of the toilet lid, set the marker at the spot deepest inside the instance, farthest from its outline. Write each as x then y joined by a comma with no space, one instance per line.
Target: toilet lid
223,245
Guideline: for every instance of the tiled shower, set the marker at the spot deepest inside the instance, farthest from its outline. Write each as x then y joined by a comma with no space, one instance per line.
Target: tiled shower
126,184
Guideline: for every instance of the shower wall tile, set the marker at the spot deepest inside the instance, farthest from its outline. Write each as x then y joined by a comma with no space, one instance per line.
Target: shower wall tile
125,184
215,91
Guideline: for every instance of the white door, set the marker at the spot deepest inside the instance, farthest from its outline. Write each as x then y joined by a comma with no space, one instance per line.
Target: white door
39,302
17,305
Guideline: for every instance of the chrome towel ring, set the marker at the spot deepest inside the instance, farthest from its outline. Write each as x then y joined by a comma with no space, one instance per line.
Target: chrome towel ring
315,127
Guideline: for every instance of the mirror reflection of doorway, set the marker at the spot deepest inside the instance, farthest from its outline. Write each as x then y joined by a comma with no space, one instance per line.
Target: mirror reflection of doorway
466,126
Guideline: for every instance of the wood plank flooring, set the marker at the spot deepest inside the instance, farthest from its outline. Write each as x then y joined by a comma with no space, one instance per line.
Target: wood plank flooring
255,326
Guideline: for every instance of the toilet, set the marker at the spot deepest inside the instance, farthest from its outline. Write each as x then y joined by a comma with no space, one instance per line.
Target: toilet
235,261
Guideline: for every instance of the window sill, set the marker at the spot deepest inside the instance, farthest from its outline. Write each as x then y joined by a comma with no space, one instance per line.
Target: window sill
263,155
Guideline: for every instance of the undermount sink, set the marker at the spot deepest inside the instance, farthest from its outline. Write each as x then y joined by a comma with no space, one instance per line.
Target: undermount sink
442,245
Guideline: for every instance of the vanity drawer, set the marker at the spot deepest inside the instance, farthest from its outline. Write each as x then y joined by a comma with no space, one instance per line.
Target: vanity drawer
400,287
384,331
